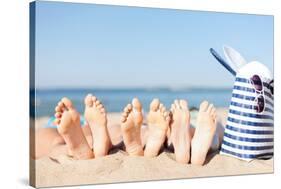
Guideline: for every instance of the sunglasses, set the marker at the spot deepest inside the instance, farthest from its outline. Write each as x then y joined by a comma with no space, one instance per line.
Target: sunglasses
258,86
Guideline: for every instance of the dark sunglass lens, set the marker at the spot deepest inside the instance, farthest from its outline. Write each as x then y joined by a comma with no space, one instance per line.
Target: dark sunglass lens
260,104
257,82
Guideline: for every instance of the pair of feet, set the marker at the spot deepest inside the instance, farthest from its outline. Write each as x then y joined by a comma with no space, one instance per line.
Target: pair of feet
174,125
158,120
68,122
192,144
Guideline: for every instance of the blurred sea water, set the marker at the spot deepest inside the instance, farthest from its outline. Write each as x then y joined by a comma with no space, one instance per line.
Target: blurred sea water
114,100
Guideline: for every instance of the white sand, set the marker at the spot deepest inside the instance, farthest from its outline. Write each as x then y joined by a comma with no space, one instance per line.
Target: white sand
118,167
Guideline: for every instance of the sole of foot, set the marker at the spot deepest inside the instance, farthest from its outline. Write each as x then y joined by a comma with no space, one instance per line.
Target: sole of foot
68,125
96,117
131,123
158,120
204,133
179,128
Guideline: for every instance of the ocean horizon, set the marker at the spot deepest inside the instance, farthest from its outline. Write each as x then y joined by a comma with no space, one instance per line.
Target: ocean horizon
115,99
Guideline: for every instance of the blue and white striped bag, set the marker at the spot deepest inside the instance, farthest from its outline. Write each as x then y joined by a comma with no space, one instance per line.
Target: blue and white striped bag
249,129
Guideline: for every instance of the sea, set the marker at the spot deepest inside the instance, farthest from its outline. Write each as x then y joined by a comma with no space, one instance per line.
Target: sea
115,100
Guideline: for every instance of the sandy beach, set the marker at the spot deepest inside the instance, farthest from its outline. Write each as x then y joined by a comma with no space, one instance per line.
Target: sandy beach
119,167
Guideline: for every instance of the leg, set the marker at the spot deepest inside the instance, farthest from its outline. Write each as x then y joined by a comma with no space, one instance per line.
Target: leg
158,122
46,139
204,133
68,121
95,115
180,131
131,123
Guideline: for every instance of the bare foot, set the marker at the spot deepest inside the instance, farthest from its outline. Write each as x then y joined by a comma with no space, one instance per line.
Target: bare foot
204,133
68,121
158,122
95,115
180,127
131,122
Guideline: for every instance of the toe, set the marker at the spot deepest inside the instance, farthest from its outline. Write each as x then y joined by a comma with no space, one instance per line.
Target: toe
204,106
162,108
213,112
126,109
58,109
183,104
123,119
167,115
94,99
102,110
57,121
168,118
88,100
97,103
173,108
125,114
177,103
137,105
61,106
210,108
58,114
129,107
100,106
154,105
67,103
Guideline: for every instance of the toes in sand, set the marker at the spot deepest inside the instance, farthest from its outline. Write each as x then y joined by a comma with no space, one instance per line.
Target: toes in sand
68,122
204,133
96,117
131,123
180,127
158,121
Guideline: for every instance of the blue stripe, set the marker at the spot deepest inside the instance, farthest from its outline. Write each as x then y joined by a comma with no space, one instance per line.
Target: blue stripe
251,90
250,123
258,116
253,148
244,80
245,139
251,98
247,156
244,89
243,105
246,106
255,132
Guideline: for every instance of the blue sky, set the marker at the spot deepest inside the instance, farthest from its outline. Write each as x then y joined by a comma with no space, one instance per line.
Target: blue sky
87,45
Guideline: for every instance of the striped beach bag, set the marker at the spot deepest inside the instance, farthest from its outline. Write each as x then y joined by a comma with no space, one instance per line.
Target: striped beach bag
249,129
